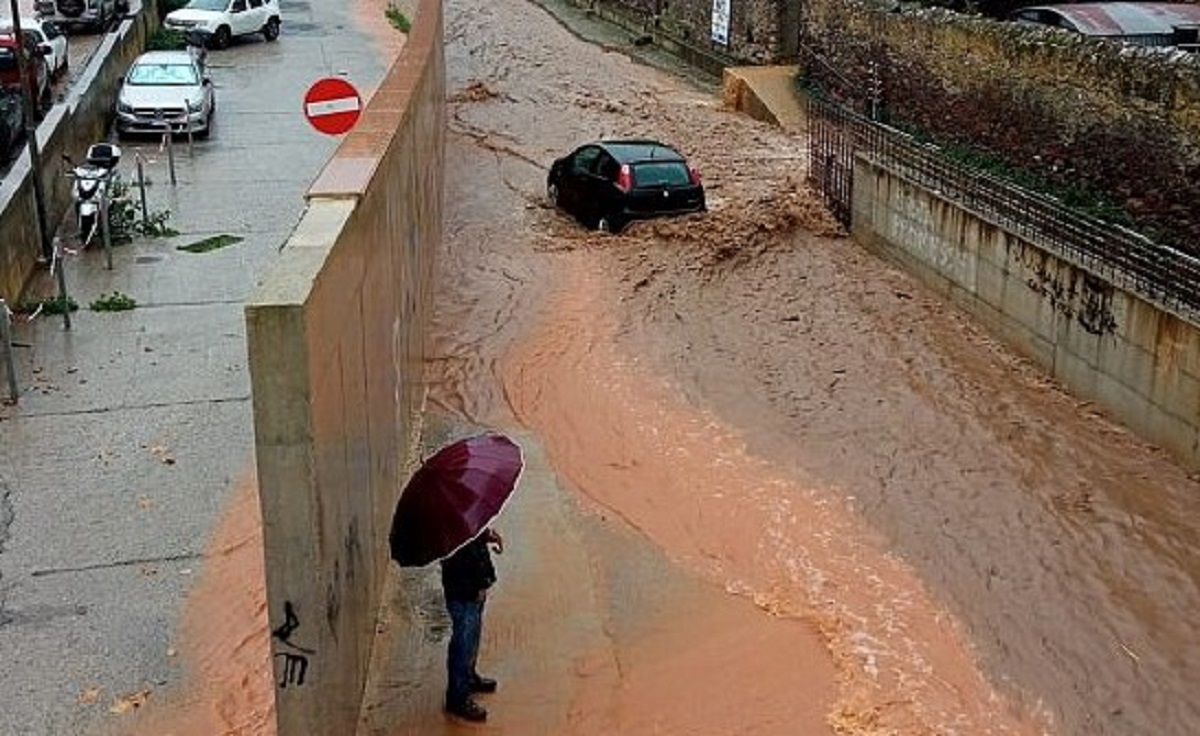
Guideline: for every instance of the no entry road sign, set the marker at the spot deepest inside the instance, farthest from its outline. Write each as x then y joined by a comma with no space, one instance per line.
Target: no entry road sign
332,105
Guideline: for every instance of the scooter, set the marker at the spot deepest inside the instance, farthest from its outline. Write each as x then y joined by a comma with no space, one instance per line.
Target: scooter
90,190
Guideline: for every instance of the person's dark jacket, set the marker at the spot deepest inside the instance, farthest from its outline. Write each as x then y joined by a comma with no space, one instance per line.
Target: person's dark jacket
468,572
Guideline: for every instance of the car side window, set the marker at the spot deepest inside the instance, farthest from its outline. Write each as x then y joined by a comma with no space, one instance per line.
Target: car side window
239,6
584,161
256,3
608,167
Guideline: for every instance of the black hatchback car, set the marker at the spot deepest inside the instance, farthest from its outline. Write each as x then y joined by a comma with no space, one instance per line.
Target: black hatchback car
608,183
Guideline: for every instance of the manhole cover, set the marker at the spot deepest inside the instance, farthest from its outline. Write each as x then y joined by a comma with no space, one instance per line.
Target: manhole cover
147,259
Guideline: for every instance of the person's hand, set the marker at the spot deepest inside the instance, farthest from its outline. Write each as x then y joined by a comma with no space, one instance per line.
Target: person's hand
494,540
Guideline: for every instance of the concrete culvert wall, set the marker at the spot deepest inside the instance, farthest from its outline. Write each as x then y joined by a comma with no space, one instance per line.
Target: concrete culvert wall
336,346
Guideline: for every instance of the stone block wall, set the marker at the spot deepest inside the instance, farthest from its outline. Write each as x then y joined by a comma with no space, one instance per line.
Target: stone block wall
760,31
1087,115
336,339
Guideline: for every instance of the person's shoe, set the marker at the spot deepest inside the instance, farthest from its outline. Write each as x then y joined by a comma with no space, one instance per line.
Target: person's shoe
468,710
481,684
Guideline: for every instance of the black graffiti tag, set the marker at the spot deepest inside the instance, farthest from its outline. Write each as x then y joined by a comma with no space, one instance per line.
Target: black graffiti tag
295,662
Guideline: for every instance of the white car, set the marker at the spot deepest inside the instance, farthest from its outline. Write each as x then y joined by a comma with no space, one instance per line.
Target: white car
49,38
218,21
165,88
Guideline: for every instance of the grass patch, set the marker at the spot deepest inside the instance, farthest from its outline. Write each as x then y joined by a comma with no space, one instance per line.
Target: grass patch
49,305
216,242
398,19
114,302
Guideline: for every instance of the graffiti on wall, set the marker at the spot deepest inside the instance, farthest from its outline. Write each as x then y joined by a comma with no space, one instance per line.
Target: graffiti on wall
295,657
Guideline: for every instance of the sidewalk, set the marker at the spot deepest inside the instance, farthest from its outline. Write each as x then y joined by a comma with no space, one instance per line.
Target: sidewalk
133,428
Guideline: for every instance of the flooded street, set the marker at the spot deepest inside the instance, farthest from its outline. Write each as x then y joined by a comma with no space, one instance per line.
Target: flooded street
911,511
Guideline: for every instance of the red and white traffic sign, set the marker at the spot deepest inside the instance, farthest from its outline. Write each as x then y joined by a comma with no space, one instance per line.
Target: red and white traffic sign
332,105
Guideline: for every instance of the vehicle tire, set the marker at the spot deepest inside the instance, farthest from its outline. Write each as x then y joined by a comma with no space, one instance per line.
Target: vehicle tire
86,224
222,37
609,224
552,193
203,134
271,30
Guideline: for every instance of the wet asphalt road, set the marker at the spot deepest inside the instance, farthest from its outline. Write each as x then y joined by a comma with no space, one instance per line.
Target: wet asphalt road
133,427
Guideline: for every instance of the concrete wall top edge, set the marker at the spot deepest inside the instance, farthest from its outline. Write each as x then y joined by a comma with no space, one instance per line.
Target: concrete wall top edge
350,169
290,281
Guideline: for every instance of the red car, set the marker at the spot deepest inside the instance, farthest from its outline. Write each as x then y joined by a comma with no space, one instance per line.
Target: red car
36,70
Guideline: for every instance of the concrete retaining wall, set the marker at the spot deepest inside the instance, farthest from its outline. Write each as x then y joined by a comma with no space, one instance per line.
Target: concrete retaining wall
70,127
336,348
1140,362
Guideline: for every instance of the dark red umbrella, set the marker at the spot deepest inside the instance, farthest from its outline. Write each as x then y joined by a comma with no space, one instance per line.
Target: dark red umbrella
453,497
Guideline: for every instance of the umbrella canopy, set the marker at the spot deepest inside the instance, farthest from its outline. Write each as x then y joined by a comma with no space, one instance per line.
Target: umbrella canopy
453,497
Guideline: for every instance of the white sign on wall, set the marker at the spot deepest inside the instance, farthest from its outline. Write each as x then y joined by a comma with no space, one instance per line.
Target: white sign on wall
720,21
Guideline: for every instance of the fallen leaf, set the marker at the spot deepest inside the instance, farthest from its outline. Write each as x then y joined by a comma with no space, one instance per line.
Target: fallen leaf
91,695
130,702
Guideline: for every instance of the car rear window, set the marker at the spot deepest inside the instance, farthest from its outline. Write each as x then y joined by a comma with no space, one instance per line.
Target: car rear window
164,74
660,174
8,60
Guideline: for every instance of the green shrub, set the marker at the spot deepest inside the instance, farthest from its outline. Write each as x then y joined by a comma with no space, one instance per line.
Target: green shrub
398,19
166,40
114,302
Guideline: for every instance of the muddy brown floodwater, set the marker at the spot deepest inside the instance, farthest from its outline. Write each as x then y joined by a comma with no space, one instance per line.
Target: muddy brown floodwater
788,417
937,539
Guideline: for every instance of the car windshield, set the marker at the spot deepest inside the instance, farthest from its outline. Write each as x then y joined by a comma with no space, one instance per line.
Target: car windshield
163,75
208,4
661,174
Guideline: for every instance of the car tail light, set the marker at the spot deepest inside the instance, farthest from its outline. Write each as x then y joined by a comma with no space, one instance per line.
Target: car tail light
625,178
693,175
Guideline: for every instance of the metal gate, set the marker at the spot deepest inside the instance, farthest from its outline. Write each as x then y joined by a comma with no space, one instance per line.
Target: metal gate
833,134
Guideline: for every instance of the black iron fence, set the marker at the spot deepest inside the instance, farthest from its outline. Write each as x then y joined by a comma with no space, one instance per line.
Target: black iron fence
1160,274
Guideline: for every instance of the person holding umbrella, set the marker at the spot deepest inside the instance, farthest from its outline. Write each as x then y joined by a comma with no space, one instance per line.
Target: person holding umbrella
445,513
466,576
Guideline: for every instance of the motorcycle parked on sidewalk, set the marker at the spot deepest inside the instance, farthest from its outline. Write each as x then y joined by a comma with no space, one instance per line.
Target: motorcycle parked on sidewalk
94,179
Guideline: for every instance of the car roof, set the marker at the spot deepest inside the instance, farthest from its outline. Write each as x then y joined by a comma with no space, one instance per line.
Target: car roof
164,57
633,150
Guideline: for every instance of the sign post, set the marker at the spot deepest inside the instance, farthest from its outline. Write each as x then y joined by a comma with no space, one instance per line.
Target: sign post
332,105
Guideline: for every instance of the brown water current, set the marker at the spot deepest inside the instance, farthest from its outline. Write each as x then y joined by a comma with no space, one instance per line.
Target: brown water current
800,423
898,527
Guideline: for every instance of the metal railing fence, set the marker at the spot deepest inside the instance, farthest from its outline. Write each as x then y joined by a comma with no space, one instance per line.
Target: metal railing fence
1158,273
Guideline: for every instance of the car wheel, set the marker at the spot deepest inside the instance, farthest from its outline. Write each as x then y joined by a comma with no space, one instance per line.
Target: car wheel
609,224
552,193
222,37
271,29
203,133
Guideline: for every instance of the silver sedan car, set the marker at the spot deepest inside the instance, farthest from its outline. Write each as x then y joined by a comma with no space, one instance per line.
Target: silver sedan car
165,88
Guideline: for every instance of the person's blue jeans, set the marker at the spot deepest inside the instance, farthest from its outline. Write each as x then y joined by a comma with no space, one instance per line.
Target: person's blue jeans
466,627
